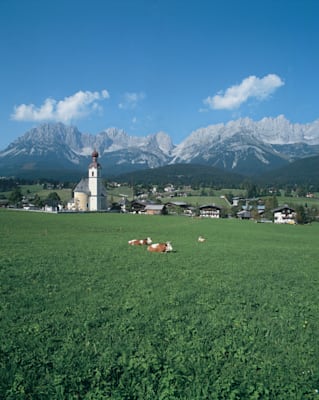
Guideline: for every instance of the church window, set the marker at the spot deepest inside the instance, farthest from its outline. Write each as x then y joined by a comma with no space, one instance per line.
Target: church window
92,173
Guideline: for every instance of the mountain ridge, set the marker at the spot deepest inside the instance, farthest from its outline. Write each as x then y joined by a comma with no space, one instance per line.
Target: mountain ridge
242,146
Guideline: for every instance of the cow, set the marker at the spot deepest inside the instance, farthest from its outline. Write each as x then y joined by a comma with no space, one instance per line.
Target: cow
201,239
160,247
140,242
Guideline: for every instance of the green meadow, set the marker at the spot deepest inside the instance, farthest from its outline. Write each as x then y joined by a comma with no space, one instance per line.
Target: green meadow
86,316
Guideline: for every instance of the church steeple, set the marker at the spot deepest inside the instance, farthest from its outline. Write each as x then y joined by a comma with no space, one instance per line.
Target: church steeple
95,183
95,156
90,193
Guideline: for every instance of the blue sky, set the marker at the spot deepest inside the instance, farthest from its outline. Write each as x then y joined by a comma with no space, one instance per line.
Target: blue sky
156,65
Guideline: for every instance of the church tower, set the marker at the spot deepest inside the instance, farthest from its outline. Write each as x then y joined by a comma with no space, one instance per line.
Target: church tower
97,199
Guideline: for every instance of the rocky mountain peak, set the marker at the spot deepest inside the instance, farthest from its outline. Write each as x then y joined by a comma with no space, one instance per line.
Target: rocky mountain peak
242,146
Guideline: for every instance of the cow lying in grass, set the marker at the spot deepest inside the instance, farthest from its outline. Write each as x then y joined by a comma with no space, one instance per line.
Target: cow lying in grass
160,247
201,239
140,242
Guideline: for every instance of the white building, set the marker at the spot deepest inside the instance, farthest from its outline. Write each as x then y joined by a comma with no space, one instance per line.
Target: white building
90,193
210,211
284,215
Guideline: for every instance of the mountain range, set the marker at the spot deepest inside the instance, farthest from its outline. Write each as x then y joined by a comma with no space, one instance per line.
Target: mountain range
243,146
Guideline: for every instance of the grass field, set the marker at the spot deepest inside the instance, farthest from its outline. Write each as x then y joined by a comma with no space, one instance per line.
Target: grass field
85,316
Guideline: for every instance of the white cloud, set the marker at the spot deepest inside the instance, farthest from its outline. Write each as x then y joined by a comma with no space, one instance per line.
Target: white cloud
130,100
76,106
233,97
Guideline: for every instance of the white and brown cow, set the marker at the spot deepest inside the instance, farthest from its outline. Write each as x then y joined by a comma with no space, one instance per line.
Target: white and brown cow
201,239
140,242
160,247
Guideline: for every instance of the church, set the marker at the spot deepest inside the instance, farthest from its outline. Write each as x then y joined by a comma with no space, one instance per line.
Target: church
90,193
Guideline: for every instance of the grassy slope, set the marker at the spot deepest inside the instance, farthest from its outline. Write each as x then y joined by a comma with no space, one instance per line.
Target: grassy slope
83,315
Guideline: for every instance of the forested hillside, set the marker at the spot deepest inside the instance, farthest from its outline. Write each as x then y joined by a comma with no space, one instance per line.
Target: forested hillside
184,174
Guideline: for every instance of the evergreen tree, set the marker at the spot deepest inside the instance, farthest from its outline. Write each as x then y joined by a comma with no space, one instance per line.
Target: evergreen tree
251,189
255,214
53,199
302,217
270,204
16,196
37,201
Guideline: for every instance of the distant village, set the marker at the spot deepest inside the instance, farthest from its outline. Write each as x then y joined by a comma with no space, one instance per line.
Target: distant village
90,195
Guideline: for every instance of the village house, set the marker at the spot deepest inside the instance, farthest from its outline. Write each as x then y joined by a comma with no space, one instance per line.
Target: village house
210,211
155,209
169,188
244,214
261,209
137,207
236,200
4,202
178,207
284,215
